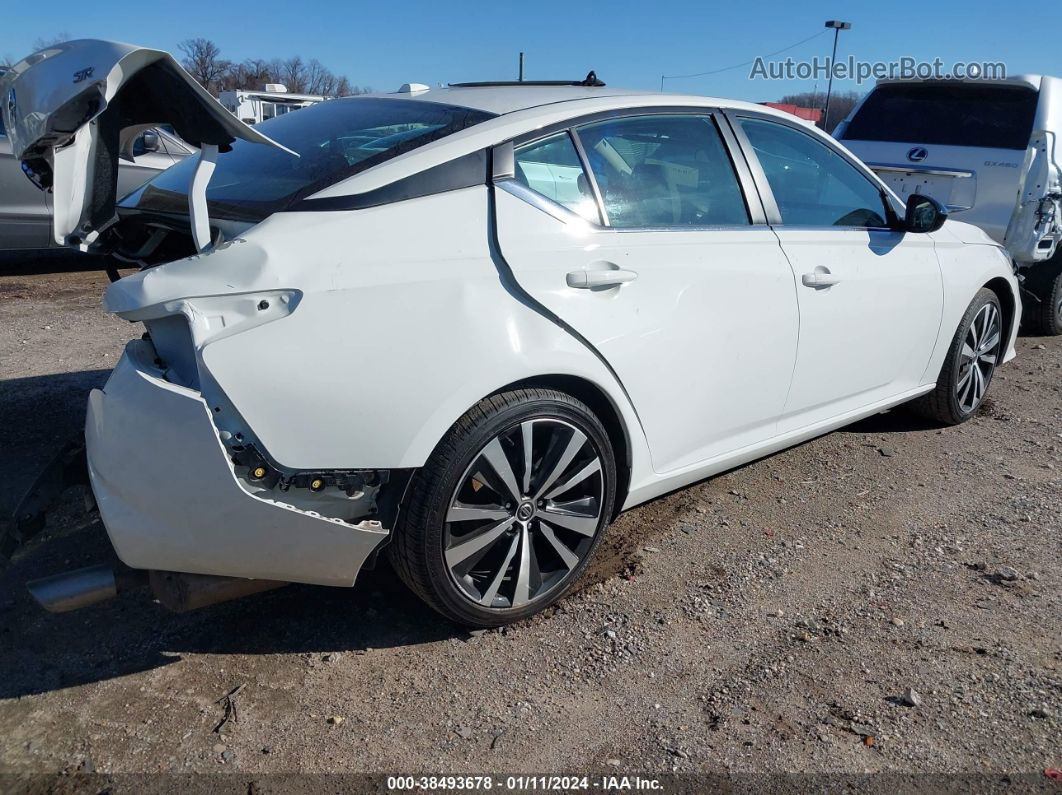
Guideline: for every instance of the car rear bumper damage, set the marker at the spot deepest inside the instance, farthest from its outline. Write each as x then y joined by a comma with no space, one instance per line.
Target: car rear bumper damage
177,509
170,498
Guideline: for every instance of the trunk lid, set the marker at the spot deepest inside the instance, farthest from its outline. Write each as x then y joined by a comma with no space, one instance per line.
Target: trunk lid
978,184
65,108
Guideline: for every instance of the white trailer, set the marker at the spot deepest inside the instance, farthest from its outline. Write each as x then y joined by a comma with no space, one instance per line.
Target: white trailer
252,107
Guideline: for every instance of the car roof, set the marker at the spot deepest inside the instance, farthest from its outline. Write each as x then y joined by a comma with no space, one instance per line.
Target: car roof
519,109
509,98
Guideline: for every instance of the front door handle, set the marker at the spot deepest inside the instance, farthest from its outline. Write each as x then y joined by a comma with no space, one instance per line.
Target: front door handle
819,278
587,280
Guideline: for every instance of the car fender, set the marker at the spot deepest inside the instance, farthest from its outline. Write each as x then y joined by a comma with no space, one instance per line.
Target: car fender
969,260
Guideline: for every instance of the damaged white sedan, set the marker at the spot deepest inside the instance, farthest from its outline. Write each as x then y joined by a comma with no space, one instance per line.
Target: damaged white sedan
465,327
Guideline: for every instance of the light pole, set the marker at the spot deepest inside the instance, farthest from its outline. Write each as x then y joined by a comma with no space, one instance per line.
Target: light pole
521,67
837,26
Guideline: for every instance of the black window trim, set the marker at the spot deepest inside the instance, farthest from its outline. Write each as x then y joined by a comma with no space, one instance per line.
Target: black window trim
465,171
893,207
504,170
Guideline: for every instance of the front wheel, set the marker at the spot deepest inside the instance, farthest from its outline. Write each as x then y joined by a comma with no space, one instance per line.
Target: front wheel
975,351
507,511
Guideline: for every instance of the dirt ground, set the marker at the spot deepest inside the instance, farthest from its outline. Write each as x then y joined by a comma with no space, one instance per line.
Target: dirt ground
774,619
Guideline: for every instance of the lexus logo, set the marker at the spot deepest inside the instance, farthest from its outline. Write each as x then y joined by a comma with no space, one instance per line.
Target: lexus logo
917,154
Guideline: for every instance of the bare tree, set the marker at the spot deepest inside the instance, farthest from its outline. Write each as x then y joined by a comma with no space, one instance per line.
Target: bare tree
317,76
295,74
44,42
41,43
202,60
344,88
252,73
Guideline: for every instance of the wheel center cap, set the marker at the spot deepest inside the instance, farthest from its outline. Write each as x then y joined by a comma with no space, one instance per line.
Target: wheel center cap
525,511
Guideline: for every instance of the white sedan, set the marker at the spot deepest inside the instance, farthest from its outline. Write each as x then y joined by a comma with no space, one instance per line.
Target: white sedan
467,326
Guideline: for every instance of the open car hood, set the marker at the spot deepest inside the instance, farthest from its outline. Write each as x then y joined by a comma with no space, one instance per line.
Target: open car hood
65,108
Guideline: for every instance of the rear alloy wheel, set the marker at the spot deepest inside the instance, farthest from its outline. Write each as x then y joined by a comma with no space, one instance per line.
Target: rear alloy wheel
509,509
975,351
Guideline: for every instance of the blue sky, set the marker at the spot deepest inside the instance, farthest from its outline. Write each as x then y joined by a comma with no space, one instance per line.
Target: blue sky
631,44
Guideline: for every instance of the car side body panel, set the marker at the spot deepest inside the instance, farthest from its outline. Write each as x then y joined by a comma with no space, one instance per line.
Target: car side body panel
704,339
25,220
966,267
396,278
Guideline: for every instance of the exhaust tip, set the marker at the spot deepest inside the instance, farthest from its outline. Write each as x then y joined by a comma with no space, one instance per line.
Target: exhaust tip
73,590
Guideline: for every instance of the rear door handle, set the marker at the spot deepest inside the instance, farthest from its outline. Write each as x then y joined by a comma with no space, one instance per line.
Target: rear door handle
819,278
586,280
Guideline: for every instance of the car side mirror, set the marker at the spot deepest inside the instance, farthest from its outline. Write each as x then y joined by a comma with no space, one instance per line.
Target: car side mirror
151,141
924,214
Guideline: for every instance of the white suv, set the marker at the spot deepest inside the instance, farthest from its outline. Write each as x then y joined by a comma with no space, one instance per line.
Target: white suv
469,325
987,149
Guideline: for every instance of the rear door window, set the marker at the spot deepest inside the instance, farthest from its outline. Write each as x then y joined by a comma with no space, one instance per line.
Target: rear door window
551,167
953,114
663,171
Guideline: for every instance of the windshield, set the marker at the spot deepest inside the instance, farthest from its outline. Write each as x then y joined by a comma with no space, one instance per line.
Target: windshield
956,114
334,139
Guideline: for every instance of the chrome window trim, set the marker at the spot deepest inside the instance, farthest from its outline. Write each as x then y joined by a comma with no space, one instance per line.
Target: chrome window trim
563,214
774,216
933,172
503,161
544,203
591,178
819,228
755,206
707,228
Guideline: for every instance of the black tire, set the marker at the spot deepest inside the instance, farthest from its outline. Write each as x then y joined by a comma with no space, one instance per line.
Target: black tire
1049,316
419,548
943,403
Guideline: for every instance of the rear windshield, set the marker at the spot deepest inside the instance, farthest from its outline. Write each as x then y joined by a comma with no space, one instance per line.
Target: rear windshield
954,114
334,139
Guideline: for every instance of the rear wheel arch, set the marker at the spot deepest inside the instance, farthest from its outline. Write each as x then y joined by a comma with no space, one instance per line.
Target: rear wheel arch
598,401
420,546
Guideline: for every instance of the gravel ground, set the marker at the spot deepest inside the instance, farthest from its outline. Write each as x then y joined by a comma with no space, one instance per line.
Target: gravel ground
885,598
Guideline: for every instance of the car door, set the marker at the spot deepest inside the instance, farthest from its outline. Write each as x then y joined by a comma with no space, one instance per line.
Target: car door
25,221
870,295
640,234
